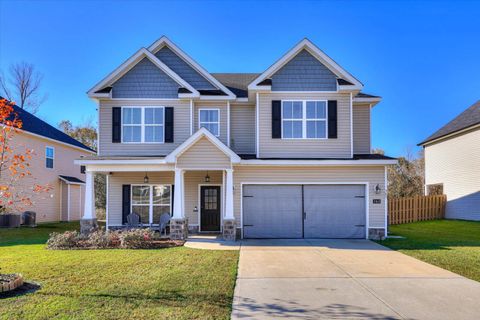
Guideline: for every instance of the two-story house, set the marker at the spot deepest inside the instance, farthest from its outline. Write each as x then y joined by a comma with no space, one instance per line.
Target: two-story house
279,154
51,164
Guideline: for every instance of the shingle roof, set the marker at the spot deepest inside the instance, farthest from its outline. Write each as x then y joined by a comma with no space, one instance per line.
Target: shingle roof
69,179
37,126
464,120
355,157
236,82
366,95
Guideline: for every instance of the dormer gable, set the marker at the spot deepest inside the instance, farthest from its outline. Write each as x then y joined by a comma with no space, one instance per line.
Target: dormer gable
305,68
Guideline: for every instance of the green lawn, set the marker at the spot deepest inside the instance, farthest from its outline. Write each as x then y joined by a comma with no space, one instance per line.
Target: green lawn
175,283
450,244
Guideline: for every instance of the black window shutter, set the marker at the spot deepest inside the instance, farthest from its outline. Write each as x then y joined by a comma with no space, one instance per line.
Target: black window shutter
276,119
82,169
169,124
332,119
125,202
116,124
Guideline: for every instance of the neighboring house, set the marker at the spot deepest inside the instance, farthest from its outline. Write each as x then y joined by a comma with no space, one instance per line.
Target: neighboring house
52,164
279,154
452,164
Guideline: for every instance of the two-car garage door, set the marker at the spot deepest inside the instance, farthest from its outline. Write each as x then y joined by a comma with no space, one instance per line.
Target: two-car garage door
304,211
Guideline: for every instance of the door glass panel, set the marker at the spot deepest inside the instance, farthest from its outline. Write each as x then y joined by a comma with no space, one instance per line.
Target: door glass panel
210,199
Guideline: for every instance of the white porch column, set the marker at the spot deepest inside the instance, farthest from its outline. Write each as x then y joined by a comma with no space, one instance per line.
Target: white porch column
229,195
178,196
89,219
89,208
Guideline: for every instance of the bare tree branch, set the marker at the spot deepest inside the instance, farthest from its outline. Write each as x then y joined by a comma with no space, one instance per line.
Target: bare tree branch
23,86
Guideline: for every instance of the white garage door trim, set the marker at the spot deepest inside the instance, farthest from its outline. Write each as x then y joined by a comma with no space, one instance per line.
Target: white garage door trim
366,184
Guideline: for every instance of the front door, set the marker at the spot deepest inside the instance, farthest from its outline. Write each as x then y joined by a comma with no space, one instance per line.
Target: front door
210,208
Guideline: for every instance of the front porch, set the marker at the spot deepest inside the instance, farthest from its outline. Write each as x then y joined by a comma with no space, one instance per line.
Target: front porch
199,201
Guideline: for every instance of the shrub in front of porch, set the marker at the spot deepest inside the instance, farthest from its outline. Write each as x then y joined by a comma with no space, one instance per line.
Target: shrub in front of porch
100,239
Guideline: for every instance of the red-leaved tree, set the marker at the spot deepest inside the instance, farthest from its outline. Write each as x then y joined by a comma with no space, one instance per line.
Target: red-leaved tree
15,193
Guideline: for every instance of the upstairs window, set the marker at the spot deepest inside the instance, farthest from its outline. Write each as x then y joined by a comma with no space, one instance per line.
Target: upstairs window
304,119
143,124
49,157
210,119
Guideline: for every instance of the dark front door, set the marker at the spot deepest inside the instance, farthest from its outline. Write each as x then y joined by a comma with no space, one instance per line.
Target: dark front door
210,208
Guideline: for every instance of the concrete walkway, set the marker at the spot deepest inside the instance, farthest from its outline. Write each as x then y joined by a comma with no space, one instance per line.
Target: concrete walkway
346,279
210,242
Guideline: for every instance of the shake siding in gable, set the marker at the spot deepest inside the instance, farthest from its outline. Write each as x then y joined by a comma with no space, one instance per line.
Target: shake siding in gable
455,163
145,80
304,73
305,148
183,69
361,129
203,155
222,106
242,128
372,175
181,129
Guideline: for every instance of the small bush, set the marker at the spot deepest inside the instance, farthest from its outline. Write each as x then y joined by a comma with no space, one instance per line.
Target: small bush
100,239
66,240
137,238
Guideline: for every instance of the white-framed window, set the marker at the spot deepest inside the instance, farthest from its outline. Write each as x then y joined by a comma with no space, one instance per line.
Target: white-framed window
304,119
209,119
49,157
143,124
150,201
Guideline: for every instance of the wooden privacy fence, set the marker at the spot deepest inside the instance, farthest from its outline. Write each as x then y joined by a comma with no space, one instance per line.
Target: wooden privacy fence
419,208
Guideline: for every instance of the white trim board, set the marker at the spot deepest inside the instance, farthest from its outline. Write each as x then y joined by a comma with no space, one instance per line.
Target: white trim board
367,190
202,132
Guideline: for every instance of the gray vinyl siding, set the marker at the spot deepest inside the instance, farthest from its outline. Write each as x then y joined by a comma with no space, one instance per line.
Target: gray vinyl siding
181,129
277,175
183,69
114,192
192,181
242,130
203,155
455,163
305,148
145,80
304,73
361,129
222,106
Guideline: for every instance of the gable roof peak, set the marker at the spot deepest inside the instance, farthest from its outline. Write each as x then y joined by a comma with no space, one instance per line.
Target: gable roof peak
306,44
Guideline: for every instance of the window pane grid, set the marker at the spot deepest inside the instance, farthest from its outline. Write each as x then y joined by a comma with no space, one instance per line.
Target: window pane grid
210,120
143,124
150,202
304,119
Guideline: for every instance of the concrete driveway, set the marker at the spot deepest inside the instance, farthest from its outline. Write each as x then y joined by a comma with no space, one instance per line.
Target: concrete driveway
346,279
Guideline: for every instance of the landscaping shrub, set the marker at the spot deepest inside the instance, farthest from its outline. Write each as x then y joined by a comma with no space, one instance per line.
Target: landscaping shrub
100,239
66,240
137,238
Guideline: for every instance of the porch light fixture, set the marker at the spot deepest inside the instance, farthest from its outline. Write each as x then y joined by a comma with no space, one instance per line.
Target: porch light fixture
207,178
377,189
146,179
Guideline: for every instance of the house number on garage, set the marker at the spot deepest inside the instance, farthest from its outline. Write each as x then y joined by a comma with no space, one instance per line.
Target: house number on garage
377,201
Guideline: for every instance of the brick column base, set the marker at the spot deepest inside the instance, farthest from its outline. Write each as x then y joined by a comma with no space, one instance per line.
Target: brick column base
229,230
376,233
179,229
88,225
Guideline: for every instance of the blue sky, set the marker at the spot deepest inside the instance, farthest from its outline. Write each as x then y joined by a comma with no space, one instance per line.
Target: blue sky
422,57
